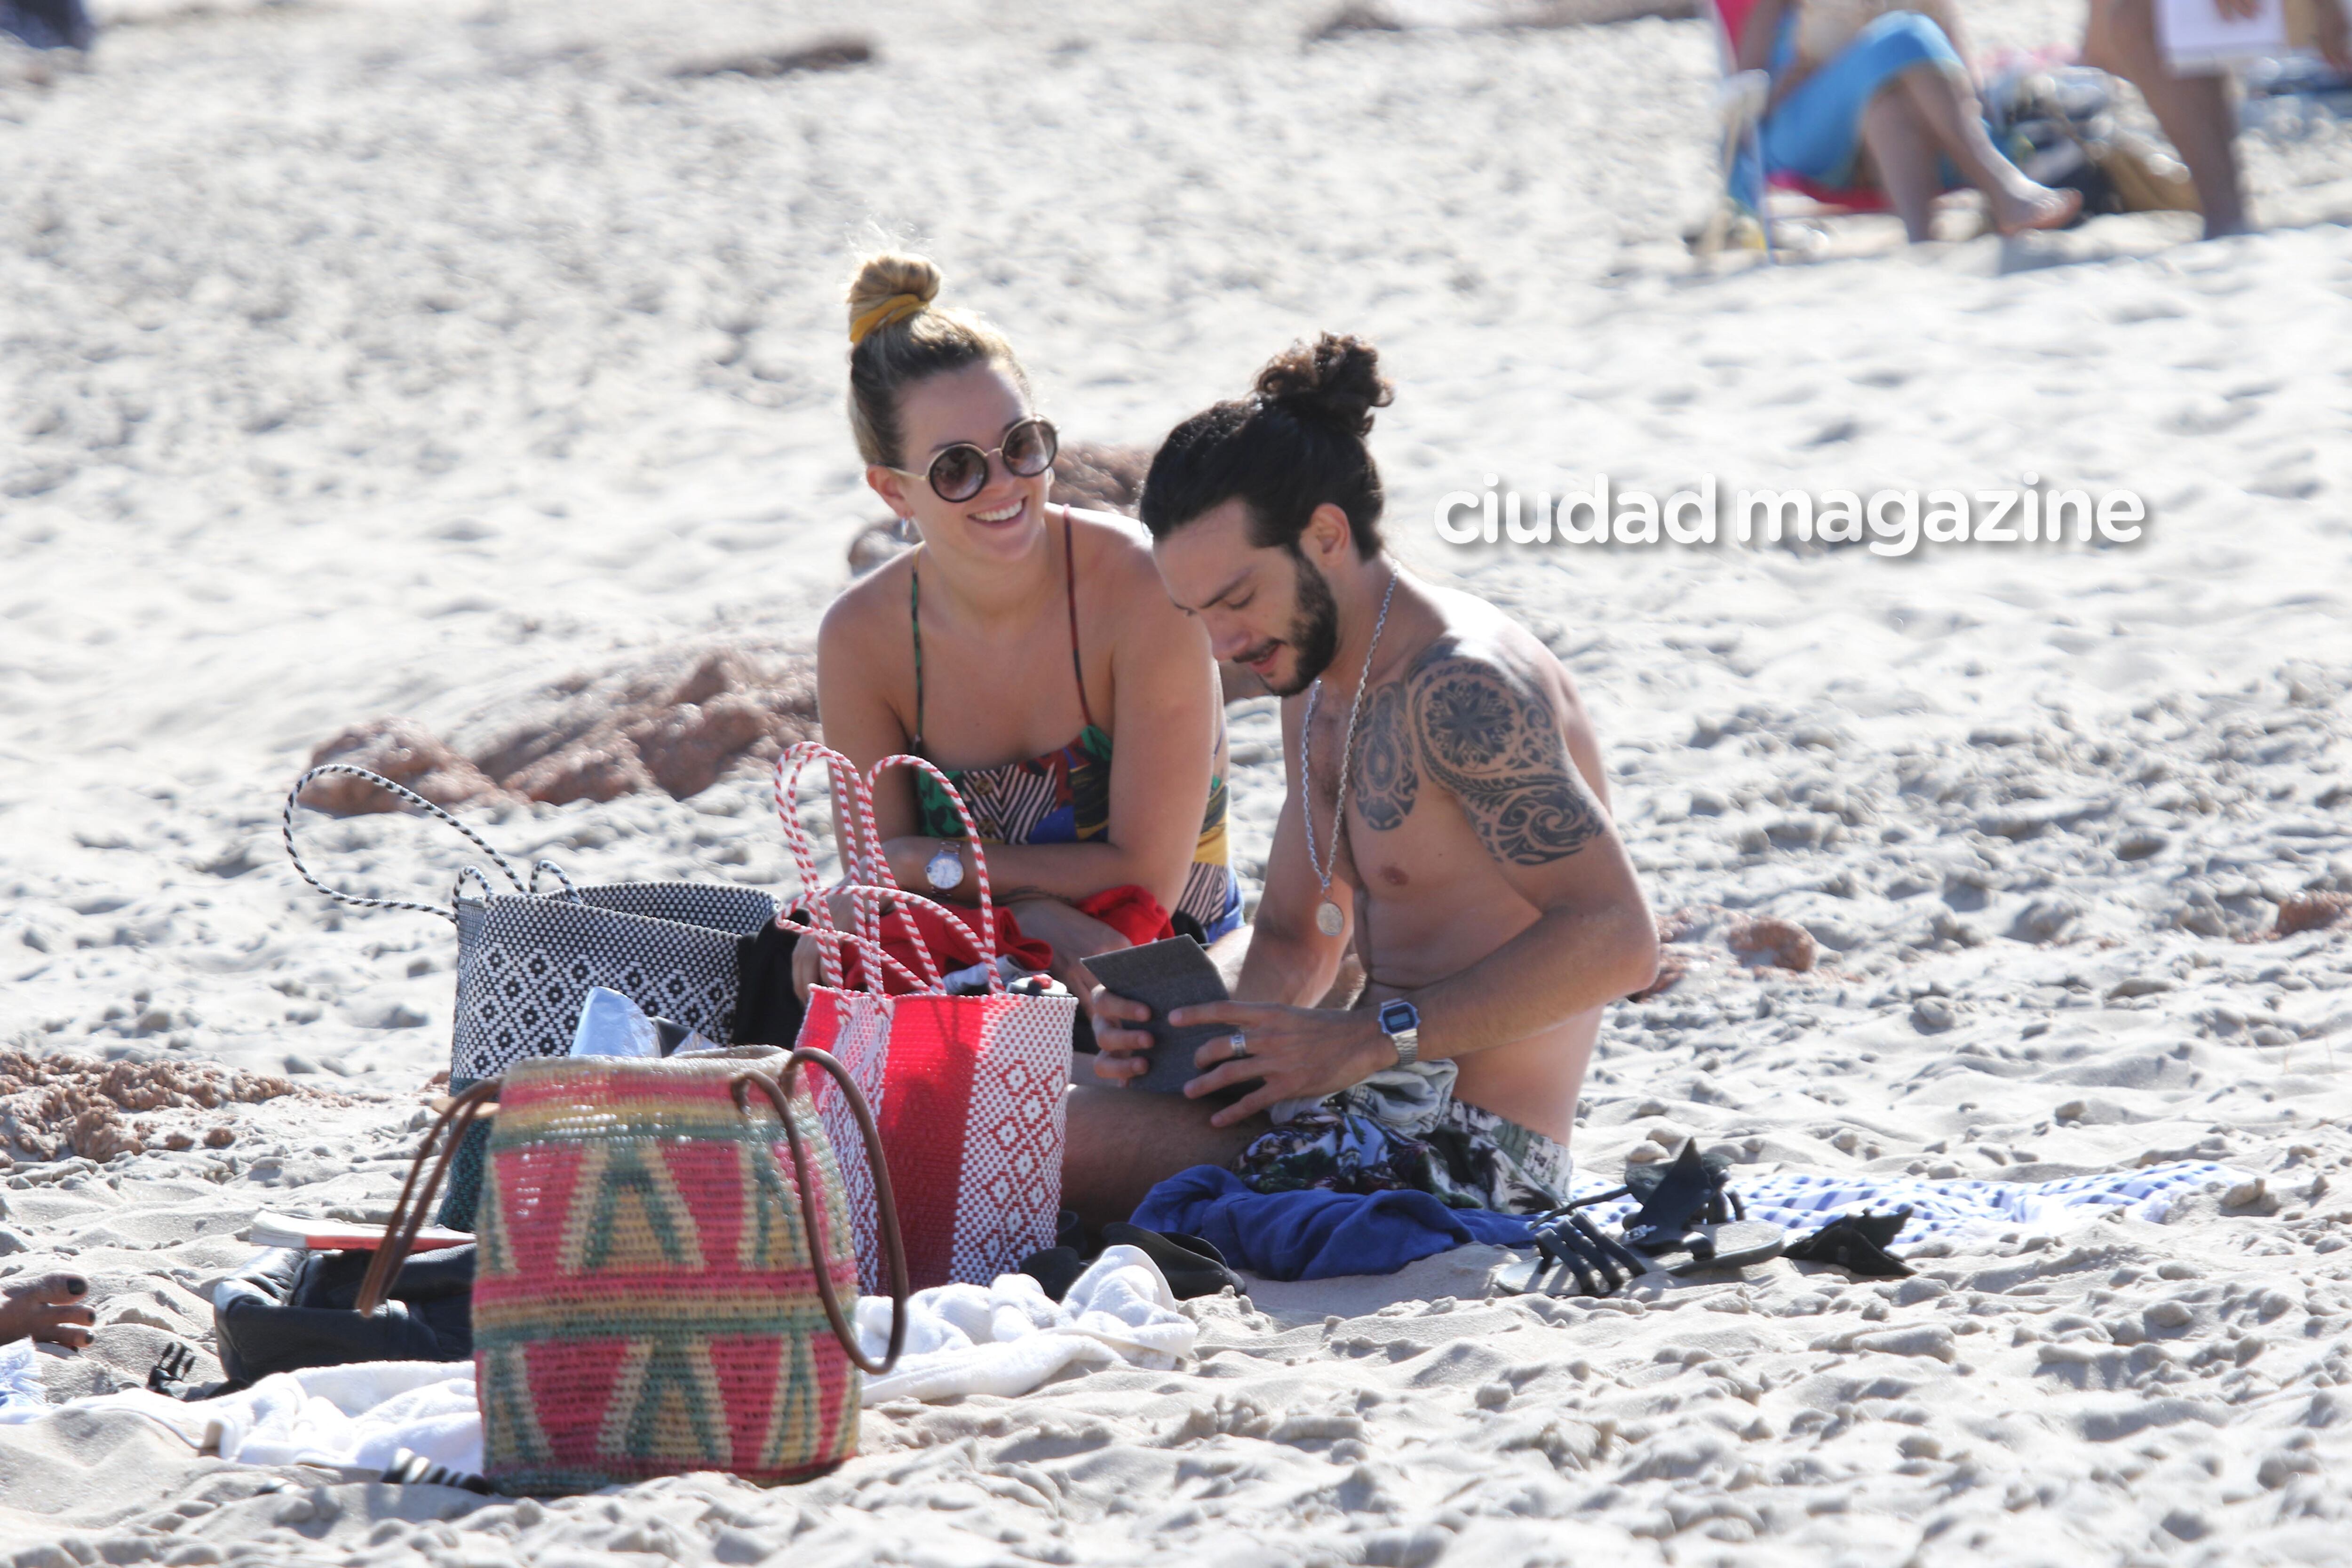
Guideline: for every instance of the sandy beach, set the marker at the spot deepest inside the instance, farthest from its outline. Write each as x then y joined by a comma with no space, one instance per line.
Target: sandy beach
450,361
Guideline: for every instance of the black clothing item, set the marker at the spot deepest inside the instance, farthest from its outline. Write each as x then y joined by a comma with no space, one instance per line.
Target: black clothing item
1192,1266
768,1011
294,1309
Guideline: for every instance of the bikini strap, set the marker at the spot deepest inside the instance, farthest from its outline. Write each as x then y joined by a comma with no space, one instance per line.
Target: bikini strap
1070,587
915,616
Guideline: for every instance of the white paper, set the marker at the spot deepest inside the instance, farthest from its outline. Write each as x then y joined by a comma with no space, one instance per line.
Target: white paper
2196,34
613,1025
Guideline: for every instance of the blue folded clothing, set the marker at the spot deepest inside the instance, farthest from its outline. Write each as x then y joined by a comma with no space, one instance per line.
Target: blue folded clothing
1315,1235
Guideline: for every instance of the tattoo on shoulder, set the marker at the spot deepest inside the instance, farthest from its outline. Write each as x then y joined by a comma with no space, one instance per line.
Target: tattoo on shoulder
1497,747
1386,778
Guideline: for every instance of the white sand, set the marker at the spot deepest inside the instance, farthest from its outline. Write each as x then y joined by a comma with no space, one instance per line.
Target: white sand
385,359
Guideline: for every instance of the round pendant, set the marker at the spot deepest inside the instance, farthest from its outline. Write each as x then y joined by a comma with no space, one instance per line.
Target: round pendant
1329,919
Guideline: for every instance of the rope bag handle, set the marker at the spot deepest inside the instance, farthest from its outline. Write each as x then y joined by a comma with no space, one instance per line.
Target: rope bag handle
286,827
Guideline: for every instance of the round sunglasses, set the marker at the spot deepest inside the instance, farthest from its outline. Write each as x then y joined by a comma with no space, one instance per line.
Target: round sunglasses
960,472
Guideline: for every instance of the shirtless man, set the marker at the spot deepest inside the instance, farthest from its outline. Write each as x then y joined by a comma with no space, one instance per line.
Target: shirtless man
1476,870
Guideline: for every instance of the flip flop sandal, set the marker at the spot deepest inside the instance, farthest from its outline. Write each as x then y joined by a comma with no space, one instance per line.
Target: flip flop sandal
1193,1267
1857,1243
1734,1244
1572,1258
1056,1270
1689,1190
1672,1197
410,1468
1687,1206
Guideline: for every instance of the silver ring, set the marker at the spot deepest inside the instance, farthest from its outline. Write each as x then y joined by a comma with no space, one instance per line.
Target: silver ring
1241,1046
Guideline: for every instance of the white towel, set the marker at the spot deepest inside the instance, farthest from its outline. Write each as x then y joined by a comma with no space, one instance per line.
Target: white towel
961,1339
357,1415
1956,1210
20,1377
1010,1337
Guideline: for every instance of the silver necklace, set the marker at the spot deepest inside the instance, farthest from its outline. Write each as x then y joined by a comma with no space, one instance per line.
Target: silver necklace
1328,916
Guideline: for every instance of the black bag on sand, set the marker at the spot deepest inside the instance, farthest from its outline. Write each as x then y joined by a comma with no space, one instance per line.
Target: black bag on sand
1192,1265
527,960
292,1310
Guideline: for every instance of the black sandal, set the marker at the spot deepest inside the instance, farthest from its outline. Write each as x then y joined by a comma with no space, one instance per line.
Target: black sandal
1572,1258
1857,1243
1687,1205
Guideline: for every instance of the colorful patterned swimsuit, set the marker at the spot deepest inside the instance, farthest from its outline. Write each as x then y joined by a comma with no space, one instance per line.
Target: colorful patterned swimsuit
1064,797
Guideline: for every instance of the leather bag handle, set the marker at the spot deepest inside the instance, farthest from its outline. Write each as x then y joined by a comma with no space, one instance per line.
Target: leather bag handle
893,1247
400,1236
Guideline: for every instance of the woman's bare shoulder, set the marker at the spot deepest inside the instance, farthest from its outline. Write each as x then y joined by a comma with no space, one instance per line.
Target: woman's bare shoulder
1115,553
872,608
1110,532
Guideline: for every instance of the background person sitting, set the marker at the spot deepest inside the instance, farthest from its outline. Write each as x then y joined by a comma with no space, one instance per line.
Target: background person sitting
1847,79
1026,648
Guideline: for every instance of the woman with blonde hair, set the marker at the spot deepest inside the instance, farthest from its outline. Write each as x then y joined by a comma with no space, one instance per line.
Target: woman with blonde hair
1027,648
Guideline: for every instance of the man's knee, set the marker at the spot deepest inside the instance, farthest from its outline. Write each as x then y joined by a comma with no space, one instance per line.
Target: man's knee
1131,1130
1123,1142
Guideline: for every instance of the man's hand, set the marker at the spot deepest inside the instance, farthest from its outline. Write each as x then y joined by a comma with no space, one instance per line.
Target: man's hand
1295,1053
1122,1049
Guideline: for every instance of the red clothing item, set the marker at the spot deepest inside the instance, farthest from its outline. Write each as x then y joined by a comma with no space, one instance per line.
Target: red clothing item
1131,911
952,935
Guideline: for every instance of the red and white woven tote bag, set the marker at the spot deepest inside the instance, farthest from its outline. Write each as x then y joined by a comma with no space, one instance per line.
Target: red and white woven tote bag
968,1091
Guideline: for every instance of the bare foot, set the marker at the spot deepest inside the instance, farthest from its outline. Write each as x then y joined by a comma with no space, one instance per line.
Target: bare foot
2047,209
47,1308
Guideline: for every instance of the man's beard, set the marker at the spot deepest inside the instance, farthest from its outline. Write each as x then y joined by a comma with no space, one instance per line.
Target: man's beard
1314,635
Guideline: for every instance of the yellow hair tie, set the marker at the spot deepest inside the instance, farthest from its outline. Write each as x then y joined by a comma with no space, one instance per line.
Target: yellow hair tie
896,308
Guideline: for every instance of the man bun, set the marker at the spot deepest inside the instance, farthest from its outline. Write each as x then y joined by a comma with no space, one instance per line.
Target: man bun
1293,444
1337,379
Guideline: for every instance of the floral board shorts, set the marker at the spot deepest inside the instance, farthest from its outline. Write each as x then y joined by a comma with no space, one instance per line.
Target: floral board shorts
1403,1129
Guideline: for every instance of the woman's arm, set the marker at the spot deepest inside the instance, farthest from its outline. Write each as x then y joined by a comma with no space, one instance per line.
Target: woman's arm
853,700
1164,689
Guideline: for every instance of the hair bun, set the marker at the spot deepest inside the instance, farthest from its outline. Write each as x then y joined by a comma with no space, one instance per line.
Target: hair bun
883,278
1338,380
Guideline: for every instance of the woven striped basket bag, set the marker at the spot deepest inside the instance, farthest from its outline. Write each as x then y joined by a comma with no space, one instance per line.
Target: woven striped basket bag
664,1253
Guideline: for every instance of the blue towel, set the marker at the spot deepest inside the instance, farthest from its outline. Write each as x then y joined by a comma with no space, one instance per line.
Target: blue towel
1315,1235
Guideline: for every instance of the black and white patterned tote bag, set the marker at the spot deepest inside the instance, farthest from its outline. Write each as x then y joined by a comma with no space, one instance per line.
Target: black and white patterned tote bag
527,958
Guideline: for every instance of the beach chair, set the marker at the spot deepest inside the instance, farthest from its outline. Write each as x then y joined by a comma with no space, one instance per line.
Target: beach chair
1746,196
